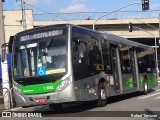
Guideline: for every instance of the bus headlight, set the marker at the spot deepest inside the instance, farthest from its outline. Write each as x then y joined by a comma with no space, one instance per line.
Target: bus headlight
66,82
17,90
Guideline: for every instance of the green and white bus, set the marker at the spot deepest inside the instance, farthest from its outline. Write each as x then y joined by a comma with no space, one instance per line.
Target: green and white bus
65,63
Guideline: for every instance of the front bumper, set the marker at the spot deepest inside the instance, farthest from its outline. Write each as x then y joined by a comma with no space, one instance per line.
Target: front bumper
66,95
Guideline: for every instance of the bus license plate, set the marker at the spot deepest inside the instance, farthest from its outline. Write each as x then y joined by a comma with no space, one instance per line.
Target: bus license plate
39,100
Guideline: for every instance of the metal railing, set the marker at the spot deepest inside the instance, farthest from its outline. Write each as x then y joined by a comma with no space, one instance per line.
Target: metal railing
94,15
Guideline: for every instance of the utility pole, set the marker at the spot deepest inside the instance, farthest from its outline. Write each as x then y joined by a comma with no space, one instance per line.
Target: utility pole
4,65
23,15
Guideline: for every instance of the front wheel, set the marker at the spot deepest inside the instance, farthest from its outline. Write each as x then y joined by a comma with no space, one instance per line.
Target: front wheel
102,95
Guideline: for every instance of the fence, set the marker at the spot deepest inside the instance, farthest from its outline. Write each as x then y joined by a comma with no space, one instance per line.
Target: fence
94,15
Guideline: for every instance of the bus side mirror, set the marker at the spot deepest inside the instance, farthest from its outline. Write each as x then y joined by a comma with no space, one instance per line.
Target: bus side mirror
4,51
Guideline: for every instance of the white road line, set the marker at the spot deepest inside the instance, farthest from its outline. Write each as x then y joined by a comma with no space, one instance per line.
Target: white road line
147,96
157,97
158,90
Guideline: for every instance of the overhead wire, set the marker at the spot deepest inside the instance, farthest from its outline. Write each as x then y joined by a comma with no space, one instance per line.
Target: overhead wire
52,1
54,14
41,5
26,14
49,13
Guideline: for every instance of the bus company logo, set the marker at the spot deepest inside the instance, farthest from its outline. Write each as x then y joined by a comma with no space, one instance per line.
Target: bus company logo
6,114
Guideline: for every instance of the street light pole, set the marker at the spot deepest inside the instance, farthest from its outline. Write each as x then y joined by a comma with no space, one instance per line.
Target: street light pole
113,12
157,70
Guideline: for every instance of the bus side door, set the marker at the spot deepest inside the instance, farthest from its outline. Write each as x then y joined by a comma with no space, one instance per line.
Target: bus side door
115,67
134,67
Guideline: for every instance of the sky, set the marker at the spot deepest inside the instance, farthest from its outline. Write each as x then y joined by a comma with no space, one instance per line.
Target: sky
72,6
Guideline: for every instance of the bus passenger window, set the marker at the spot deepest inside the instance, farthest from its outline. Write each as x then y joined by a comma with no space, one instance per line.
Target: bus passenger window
148,63
79,53
125,61
106,56
95,60
80,60
141,65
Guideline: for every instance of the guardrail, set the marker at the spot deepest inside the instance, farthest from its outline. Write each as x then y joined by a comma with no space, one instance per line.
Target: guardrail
94,15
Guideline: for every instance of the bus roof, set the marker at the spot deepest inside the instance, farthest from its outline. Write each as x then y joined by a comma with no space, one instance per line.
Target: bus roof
119,39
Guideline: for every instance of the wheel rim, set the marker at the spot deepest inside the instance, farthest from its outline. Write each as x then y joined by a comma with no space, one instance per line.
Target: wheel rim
103,94
145,86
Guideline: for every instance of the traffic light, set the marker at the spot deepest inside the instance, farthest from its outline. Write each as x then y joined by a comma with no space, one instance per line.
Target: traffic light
130,27
145,4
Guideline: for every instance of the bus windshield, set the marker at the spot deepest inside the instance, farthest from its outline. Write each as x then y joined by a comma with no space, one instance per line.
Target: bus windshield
40,58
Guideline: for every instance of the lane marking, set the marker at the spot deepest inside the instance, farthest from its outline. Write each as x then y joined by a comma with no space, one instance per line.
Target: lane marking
147,96
157,90
157,97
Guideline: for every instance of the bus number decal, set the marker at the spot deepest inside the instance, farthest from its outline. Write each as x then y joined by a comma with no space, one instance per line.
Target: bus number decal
48,88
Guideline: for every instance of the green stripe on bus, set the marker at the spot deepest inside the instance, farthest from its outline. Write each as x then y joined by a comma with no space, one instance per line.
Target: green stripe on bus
151,80
39,88
141,81
129,83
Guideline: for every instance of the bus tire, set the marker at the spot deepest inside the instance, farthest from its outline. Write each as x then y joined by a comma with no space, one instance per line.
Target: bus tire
145,85
55,106
102,95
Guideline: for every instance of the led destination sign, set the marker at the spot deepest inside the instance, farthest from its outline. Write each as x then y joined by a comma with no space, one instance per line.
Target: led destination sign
41,35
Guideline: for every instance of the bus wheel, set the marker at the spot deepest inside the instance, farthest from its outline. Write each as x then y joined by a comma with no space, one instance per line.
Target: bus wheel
55,106
102,95
145,91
